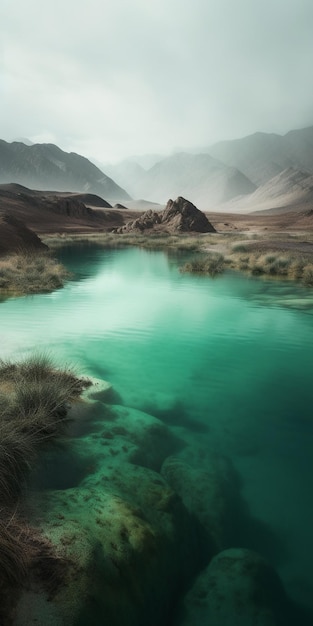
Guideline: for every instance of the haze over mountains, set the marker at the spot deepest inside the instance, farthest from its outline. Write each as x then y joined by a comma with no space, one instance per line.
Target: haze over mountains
262,156
197,176
261,171
258,172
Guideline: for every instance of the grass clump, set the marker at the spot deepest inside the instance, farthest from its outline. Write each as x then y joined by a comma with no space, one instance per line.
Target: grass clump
34,401
31,272
34,398
307,276
211,264
239,248
291,266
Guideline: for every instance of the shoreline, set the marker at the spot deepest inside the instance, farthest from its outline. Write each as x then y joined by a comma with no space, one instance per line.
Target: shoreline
284,256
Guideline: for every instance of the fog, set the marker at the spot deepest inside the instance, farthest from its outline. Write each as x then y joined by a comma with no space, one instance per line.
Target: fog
113,78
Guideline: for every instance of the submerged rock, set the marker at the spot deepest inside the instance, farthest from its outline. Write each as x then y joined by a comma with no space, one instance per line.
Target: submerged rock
204,492
98,389
123,541
238,588
128,543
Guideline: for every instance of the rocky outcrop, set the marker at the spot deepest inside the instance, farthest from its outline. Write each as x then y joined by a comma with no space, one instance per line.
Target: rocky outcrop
182,215
179,215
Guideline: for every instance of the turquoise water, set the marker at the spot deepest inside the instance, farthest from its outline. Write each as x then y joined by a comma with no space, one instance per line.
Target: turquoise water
228,359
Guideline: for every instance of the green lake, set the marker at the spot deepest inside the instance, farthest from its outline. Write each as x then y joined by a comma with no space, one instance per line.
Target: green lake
229,360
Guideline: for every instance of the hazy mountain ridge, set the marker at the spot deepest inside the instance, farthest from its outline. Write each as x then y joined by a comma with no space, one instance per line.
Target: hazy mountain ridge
46,166
262,156
128,174
200,177
258,172
219,178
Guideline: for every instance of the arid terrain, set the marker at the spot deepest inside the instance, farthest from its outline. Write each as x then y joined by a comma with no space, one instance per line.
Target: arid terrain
69,214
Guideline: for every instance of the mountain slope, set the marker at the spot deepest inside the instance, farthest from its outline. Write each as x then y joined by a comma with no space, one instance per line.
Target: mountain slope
290,190
262,156
45,166
128,174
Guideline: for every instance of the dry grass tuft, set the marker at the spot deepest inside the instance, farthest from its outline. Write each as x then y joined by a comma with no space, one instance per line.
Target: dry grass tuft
31,272
211,264
293,266
34,398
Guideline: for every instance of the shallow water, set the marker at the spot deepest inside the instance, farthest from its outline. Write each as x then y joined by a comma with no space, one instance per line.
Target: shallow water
229,360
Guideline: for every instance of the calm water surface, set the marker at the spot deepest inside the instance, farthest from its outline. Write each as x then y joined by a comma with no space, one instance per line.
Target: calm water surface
233,354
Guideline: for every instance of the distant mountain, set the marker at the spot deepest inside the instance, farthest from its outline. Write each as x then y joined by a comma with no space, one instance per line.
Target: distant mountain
24,140
290,190
45,166
128,174
200,177
262,156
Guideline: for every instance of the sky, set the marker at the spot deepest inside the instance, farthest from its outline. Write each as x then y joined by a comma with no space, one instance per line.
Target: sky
114,78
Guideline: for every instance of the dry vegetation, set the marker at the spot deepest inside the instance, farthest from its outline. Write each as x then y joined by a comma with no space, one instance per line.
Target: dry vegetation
34,399
273,264
281,255
291,266
31,272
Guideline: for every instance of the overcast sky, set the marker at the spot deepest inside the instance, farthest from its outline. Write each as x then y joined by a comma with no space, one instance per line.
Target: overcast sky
113,78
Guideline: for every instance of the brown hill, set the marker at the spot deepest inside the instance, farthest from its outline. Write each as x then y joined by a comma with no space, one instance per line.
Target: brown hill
14,236
46,211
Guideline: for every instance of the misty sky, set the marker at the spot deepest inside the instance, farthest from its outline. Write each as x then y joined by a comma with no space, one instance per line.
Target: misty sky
113,78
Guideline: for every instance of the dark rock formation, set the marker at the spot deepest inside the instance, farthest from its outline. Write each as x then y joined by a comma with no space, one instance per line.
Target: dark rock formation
182,215
14,235
178,216
119,206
